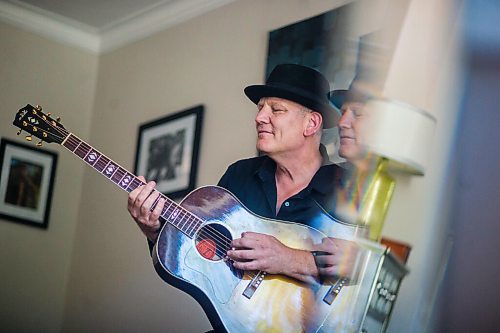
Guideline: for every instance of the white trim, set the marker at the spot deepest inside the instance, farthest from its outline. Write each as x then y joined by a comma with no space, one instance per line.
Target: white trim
113,36
50,25
154,20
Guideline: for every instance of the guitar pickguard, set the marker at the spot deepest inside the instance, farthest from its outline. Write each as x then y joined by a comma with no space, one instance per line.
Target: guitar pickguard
215,277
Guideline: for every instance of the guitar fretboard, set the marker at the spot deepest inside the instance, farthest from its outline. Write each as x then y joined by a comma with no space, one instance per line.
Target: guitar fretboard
172,213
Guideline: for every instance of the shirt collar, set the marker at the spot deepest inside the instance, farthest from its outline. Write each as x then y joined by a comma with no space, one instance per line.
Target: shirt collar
327,177
267,169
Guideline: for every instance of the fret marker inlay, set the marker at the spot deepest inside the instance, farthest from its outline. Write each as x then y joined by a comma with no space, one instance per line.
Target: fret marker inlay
110,169
92,157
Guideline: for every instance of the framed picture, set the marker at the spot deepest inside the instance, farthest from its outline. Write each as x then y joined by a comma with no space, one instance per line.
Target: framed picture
167,151
26,183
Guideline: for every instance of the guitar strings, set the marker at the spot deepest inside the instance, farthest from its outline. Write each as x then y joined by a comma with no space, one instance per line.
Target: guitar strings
222,242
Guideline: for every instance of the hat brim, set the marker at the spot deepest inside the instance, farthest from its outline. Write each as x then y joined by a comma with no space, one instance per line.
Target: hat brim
338,97
328,112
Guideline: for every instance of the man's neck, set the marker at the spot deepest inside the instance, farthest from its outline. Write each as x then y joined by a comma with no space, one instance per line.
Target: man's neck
365,163
294,173
296,167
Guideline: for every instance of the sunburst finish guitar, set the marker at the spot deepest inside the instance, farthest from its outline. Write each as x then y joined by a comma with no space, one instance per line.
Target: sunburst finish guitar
197,233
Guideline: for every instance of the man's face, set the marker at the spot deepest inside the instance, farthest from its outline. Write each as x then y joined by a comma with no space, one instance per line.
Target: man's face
349,128
280,125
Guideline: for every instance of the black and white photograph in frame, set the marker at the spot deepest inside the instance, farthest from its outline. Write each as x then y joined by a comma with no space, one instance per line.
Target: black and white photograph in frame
167,151
26,183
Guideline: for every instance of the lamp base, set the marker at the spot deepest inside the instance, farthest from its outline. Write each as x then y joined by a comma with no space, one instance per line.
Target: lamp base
376,200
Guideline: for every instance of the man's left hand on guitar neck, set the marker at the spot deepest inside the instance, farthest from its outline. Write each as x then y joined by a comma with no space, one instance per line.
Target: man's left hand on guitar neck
140,203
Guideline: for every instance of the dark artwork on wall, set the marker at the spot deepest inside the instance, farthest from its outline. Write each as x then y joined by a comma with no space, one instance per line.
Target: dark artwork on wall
320,42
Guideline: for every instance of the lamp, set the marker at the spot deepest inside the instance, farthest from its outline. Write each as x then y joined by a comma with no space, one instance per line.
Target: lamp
399,136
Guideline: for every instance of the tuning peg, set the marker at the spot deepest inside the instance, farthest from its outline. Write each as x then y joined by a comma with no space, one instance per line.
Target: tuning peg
38,108
58,119
48,114
19,132
39,143
28,137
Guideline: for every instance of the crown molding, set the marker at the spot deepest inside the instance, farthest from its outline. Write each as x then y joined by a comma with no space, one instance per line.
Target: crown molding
153,20
111,37
50,25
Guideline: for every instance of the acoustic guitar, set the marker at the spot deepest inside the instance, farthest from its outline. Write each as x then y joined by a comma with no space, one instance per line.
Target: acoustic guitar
196,235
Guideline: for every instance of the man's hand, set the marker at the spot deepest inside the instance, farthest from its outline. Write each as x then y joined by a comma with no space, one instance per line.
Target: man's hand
261,252
336,258
140,203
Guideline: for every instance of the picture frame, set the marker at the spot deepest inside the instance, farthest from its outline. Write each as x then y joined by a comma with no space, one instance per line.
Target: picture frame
168,149
26,183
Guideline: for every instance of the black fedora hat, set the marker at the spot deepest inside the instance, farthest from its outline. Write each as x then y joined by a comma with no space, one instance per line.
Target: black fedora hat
299,84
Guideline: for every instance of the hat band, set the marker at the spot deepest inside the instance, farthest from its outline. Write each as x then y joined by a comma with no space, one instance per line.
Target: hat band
322,99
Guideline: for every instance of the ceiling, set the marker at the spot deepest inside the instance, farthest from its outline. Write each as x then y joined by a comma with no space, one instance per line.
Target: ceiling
101,26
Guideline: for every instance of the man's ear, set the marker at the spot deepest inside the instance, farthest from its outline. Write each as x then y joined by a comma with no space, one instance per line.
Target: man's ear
313,124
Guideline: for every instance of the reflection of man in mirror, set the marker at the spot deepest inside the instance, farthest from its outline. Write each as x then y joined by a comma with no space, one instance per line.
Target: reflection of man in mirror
23,186
360,164
165,155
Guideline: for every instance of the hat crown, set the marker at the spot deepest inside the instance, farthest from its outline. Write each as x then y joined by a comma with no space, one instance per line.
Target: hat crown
302,78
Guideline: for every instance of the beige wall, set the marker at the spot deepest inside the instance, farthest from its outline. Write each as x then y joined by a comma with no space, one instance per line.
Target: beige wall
112,285
35,263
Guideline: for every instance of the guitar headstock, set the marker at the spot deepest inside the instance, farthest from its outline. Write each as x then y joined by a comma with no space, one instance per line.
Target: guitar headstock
32,120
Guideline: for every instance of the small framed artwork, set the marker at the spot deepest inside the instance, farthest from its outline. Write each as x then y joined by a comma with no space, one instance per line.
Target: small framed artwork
26,183
167,151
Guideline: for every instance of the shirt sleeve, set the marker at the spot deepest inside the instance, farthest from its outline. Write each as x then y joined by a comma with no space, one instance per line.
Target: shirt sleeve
224,181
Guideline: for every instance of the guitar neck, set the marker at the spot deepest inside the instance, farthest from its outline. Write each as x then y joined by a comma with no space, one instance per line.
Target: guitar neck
172,213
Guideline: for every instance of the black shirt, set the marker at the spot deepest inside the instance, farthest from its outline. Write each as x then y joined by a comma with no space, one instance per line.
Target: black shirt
253,182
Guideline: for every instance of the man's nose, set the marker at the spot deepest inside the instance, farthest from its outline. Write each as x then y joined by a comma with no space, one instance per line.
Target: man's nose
262,116
345,120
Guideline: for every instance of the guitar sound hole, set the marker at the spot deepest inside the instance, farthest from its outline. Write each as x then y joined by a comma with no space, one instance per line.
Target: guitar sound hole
212,241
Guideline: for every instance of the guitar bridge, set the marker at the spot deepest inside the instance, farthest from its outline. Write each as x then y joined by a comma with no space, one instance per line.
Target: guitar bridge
254,284
334,290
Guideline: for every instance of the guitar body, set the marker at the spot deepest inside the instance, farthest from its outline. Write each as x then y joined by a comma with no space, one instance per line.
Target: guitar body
236,301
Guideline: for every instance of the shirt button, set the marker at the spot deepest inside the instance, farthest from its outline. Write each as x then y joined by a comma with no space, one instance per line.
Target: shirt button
287,204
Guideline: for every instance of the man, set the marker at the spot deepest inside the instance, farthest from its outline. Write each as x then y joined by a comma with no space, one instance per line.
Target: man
292,181
351,105
360,164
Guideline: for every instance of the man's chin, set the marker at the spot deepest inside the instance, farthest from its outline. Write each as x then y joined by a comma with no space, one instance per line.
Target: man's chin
353,155
262,151
349,153
261,147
